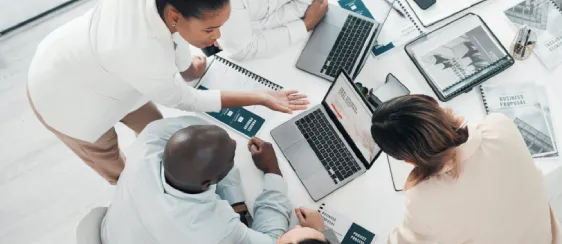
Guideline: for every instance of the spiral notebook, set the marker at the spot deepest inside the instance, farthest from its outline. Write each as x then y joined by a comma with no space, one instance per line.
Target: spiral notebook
459,56
224,75
544,17
347,231
441,10
527,105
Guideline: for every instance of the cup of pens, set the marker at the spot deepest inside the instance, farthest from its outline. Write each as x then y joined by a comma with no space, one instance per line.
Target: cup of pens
523,44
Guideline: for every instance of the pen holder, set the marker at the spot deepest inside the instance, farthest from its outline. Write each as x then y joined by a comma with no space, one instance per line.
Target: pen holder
523,43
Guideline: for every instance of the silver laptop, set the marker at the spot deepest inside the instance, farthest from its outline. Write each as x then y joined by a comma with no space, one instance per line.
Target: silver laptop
342,40
330,144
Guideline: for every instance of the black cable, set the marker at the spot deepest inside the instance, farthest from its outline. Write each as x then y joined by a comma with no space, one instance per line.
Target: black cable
36,17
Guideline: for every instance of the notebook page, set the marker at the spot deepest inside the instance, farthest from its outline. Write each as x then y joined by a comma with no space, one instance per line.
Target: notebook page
396,30
440,10
521,102
221,76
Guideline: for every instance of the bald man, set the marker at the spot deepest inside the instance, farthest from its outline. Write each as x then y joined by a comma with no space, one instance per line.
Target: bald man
180,186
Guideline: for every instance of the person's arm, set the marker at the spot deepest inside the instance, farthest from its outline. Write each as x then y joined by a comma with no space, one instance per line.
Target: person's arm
272,211
272,208
269,42
244,43
313,219
279,28
292,11
230,189
174,92
159,80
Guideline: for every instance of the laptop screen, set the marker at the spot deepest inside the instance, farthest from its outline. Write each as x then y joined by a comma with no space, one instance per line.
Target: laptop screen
346,104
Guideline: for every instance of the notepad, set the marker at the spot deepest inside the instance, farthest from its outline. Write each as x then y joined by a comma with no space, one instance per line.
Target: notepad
224,75
347,231
525,103
459,56
442,9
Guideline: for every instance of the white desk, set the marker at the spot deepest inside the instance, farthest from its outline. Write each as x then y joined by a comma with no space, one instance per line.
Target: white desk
370,200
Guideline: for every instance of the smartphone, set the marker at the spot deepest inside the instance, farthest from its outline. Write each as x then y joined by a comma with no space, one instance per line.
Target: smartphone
211,50
425,4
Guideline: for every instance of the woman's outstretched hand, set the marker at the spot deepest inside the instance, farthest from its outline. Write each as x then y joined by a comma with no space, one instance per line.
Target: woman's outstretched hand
285,101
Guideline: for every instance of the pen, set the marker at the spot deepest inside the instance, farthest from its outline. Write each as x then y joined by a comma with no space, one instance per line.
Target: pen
520,41
391,3
526,41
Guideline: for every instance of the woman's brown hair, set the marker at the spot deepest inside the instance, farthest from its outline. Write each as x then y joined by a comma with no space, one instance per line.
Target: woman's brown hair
416,129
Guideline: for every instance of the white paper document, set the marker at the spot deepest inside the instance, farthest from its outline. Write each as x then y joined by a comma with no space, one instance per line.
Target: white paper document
441,10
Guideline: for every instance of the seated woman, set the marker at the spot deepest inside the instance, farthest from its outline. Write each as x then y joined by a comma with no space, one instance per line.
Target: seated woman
264,28
470,184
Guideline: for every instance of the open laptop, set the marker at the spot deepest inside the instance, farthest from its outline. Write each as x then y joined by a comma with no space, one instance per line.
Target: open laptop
330,144
342,40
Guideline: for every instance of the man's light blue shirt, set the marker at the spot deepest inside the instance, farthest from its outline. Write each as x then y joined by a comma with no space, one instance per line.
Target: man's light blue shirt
148,210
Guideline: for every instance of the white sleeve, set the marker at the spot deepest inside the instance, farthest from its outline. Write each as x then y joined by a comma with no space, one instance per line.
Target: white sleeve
272,211
289,12
257,31
153,72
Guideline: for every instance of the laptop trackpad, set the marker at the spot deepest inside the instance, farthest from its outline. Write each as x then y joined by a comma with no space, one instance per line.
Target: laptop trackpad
327,36
304,161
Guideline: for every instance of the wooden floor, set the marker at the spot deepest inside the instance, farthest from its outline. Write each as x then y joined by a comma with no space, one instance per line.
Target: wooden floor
44,189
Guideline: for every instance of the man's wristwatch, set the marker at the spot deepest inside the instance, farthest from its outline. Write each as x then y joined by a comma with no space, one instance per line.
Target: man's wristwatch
246,218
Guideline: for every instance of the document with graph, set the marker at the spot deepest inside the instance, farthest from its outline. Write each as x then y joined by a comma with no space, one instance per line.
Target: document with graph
527,105
459,56
544,17
222,74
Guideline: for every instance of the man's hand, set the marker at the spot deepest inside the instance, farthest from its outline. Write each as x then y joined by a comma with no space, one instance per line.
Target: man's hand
197,68
310,218
264,156
315,13
284,101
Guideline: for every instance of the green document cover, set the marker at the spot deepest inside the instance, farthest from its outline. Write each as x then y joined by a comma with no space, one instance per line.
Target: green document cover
346,230
222,74
239,119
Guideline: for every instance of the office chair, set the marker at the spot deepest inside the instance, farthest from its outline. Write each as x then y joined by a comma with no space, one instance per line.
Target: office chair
89,228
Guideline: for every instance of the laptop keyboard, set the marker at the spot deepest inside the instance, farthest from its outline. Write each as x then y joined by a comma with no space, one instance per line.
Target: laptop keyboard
321,136
346,50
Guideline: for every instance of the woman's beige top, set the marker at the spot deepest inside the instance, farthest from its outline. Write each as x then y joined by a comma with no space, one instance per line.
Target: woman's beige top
499,197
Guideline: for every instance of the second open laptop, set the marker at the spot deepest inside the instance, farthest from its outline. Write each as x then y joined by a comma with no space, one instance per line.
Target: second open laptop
330,144
342,40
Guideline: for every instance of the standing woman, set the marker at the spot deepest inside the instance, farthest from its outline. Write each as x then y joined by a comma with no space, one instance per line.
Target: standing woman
470,184
107,65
